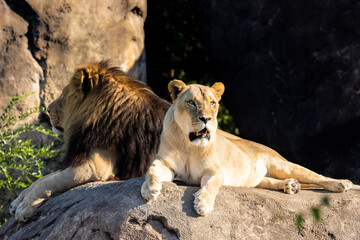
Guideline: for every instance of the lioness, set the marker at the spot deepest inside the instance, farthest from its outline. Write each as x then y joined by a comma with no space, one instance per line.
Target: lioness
193,149
111,125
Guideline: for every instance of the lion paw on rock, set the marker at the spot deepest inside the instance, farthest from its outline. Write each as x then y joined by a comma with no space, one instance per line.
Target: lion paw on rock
23,208
14,205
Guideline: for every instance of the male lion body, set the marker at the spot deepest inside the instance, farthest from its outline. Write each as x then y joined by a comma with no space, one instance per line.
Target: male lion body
192,149
111,126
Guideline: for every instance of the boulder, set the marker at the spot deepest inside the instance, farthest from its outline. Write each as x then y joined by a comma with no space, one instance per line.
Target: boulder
116,210
292,75
19,71
41,42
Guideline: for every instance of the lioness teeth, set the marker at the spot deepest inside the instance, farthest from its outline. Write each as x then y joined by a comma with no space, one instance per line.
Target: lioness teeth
202,132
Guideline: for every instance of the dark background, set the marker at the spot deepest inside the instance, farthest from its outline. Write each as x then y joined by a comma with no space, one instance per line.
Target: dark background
291,71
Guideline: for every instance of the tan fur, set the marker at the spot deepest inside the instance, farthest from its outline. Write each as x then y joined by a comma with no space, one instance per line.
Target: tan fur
224,159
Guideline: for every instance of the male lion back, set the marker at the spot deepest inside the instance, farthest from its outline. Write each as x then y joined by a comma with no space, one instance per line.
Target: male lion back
116,113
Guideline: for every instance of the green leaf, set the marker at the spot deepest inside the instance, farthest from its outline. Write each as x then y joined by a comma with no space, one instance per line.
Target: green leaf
316,213
299,221
20,160
325,201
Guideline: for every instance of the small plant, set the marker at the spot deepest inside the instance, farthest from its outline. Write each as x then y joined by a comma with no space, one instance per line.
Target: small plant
299,221
21,162
315,211
226,121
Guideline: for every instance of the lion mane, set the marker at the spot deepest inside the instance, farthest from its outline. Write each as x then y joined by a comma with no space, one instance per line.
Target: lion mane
111,125
116,112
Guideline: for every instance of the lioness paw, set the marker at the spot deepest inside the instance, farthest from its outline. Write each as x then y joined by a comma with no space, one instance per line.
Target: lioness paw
337,185
203,203
150,191
342,186
291,186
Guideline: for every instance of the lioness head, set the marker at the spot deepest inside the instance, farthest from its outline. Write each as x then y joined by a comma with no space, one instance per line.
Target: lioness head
195,109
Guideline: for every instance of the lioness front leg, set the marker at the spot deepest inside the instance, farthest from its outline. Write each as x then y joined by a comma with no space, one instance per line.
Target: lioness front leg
156,174
205,197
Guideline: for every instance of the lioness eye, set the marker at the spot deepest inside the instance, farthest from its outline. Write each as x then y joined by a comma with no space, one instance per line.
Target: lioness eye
191,103
212,103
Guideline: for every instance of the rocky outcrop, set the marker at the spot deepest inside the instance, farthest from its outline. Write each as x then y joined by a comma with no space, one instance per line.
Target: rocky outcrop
19,71
116,210
292,75
41,42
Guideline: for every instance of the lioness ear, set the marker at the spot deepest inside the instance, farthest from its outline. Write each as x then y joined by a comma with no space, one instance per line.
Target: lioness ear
219,89
175,87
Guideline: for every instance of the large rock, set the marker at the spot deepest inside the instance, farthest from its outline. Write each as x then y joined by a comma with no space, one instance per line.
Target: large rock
19,71
292,73
41,42
116,210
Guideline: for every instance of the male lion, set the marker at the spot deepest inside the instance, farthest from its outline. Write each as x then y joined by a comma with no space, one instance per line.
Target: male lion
111,126
192,149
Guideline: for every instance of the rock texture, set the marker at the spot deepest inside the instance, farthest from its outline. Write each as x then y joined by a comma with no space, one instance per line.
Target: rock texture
292,73
19,71
41,42
116,210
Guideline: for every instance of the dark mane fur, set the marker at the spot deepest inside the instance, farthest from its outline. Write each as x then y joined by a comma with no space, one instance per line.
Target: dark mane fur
130,123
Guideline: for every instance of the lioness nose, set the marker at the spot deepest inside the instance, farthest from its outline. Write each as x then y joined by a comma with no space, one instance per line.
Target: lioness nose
205,119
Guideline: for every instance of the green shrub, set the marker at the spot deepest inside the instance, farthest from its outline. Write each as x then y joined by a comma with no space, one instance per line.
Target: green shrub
226,121
21,162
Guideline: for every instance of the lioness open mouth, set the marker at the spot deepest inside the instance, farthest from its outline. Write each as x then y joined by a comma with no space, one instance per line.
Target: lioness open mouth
198,135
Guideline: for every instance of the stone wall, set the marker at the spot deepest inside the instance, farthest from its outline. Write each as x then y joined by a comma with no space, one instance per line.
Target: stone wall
41,42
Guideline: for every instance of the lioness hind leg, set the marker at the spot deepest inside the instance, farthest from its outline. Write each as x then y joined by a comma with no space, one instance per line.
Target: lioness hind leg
281,169
157,173
289,186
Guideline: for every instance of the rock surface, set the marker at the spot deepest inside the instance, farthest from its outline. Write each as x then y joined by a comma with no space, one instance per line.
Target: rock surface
41,42
116,210
19,71
292,75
